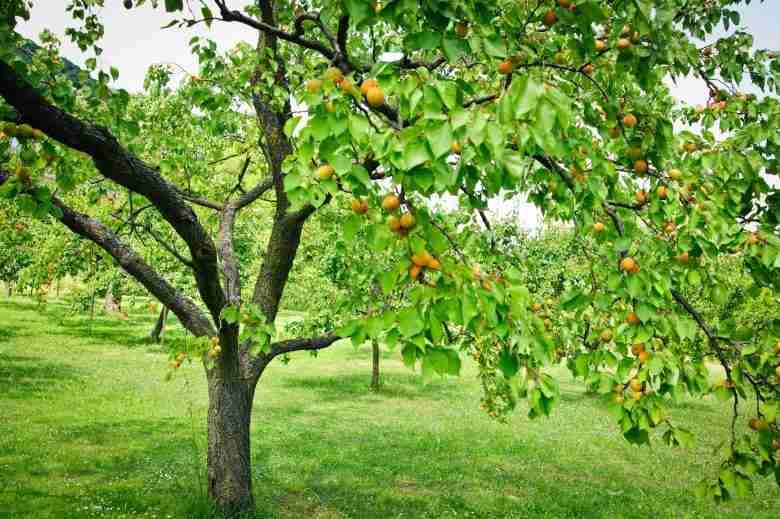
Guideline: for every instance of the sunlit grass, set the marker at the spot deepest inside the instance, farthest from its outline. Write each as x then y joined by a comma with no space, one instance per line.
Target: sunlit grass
90,428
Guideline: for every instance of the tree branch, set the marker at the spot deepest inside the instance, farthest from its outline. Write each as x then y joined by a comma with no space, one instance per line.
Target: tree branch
116,163
310,344
297,37
188,313
168,247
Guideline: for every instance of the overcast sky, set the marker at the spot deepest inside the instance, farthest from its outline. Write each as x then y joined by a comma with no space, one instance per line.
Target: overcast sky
134,40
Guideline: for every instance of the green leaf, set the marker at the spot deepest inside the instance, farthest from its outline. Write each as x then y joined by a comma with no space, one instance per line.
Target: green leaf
358,128
409,355
637,436
440,140
508,364
359,10
454,48
424,40
230,314
387,279
526,92
574,300
174,5
494,46
439,360
415,153
514,163
453,363
409,322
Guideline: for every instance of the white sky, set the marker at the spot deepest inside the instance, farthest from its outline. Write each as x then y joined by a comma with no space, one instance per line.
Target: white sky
134,40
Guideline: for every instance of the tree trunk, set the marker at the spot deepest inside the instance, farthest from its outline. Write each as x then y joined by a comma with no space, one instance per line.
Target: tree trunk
111,305
159,327
10,289
230,412
375,365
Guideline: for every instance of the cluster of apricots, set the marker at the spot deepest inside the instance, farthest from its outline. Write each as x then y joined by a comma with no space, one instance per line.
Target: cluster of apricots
215,349
640,353
370,88
23,131
400,225
423,260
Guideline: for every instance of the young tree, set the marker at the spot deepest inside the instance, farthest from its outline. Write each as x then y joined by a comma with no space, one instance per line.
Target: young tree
565,103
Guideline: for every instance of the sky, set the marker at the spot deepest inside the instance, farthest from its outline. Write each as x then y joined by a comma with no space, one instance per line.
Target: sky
134,40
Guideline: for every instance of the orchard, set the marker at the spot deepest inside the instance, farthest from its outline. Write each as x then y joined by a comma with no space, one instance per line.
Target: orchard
401,121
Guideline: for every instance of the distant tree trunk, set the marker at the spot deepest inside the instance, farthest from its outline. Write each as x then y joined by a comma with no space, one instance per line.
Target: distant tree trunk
58,287
10,288
111,304
159,328
375,364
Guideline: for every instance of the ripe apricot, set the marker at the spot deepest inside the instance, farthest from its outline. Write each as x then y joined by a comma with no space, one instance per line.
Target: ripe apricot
324,172
407,221
629,120
628,264
391,203
550,18
505,67
314,85
333,74
359,206
346,85
394,223
640,166
375,97
367,85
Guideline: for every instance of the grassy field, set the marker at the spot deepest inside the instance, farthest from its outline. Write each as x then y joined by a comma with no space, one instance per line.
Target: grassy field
89,428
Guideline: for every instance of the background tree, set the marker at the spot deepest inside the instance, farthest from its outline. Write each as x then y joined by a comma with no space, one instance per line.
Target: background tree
563,103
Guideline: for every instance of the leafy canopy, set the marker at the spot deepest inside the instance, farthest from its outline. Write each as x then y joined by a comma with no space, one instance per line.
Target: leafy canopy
565,104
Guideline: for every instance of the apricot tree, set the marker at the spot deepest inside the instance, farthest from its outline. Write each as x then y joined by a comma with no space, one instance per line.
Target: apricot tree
379,109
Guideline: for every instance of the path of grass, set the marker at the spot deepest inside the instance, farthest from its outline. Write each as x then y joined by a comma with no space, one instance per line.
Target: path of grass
90,429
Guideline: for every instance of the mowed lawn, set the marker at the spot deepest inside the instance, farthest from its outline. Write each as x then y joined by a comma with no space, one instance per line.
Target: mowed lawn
90,428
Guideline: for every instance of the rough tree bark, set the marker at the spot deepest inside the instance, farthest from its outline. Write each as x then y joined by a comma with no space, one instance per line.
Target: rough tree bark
229,418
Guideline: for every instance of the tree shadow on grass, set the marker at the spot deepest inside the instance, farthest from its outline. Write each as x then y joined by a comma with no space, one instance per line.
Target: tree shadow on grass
419,475
355,386
7,333
131,333
158,459
22,377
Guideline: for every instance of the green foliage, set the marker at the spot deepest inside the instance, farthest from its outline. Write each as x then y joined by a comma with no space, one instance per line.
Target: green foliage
668,213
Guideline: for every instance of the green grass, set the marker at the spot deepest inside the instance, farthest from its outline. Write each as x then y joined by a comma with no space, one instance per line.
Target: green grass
89,428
